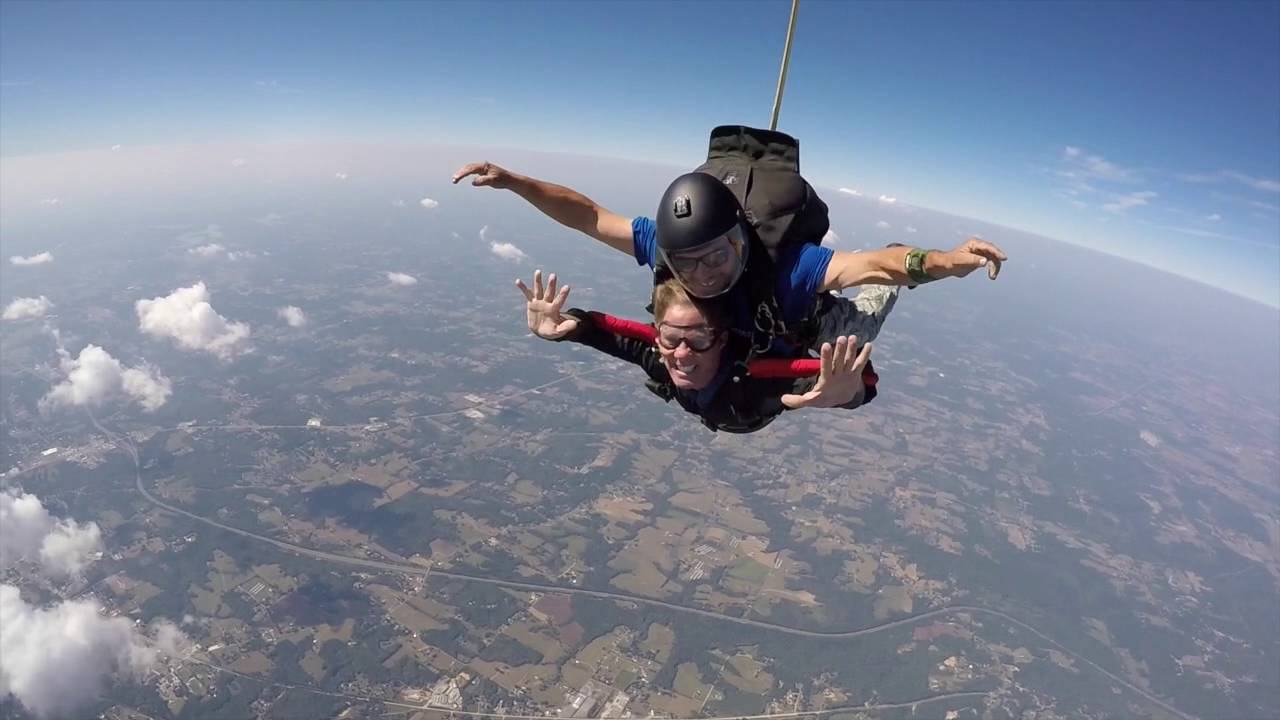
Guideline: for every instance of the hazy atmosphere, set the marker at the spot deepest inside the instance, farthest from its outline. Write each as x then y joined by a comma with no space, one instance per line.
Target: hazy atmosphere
278,440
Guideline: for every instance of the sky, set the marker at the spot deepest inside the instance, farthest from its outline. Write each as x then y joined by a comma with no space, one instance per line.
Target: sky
1148,130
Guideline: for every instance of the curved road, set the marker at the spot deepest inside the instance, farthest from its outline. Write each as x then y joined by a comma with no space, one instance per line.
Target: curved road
546,587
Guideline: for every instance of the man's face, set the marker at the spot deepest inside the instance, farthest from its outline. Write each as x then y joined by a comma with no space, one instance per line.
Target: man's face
684,326
709,269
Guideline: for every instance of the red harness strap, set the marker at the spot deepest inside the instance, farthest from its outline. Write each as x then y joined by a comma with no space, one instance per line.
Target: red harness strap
758,368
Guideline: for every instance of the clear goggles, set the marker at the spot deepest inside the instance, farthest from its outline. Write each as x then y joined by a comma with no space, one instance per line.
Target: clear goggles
711,268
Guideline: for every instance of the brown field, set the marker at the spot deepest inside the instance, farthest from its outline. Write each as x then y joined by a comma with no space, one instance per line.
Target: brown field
891,600
747,674
659,640
255,663
325,633
689,682
313,664
397,606
550,648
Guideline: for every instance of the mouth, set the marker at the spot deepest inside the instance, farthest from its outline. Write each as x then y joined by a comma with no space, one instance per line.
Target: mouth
685,367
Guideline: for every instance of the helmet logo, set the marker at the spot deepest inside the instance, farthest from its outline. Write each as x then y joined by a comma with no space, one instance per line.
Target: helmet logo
731,179
682,209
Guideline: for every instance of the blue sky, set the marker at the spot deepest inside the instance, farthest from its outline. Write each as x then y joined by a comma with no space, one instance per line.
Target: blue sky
1149,130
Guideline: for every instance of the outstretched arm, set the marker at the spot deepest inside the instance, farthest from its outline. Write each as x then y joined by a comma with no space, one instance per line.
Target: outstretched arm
548,320
567,207
889,266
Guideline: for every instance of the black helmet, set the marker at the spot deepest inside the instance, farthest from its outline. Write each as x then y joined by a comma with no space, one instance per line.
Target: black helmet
702,234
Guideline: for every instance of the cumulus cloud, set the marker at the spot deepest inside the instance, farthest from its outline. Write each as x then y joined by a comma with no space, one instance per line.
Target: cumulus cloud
883,225
403,279
888,200
484,233
1214,217
293,315
39,259
397,203
1121,203
95,377
26,307
186,316
428,203
55,659
51,201
116,147
851,191
507,251
239,162
29,532
911,229
341,175
210,250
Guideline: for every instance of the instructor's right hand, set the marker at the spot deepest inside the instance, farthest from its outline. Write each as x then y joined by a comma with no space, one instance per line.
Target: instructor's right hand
486,175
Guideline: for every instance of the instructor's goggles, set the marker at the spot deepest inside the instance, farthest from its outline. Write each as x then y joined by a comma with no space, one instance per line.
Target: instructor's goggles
711,268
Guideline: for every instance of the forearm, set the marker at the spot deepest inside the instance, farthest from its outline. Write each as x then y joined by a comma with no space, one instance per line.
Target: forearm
877,267
571,209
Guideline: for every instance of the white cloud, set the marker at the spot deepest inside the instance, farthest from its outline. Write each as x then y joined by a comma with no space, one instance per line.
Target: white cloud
40,259
851,191
888,200
1121,203
1083,164
1214,217
403,279
116,147
397,203
95,377
239,162
484,233
54,659
51,201
29,532
213,250
341,175
1257,183
186,316
507,251
26,307
830,237
911,229
883,225
428,203
293,315
209,250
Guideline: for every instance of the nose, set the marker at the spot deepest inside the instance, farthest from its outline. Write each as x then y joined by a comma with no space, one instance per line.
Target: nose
683,350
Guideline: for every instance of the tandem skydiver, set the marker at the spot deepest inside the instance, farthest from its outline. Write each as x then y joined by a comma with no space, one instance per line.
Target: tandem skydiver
702,238
691,348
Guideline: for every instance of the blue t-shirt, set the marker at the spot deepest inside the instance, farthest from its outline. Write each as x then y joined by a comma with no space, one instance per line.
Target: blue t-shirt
801,270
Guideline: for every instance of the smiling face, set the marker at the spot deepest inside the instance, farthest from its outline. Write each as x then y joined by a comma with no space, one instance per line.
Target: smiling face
689,368
713,267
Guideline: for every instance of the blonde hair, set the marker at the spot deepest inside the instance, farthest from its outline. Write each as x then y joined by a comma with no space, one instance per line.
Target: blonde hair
670,293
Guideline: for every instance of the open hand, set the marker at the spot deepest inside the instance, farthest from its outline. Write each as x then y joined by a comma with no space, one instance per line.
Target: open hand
544,307
965,258
486,174
840,379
